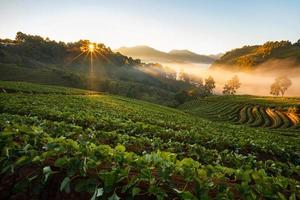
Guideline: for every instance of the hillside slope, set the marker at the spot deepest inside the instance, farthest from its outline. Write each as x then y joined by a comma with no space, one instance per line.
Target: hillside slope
78,146
150,54
40,60
273,113
251,57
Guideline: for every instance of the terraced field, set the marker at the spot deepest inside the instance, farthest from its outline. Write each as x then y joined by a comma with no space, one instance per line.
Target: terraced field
59,145
271,113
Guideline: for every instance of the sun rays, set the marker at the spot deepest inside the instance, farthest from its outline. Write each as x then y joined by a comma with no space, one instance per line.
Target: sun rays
89,48
92,51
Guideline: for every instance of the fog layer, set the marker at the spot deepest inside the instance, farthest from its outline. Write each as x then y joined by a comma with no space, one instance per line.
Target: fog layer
255,82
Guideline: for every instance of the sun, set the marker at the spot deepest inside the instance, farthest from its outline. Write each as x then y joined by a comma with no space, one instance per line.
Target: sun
91,48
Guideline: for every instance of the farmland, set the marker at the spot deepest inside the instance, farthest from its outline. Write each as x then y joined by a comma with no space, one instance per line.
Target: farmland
276,114
60,142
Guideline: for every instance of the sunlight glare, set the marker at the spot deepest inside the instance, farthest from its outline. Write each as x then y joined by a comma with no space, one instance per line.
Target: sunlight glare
91,47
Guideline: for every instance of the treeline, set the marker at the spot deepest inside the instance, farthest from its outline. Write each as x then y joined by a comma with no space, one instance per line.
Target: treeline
36,59
36,50
41,60
248,57
205,88
197,87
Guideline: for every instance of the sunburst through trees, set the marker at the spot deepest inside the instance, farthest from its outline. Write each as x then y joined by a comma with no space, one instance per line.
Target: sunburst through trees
91,50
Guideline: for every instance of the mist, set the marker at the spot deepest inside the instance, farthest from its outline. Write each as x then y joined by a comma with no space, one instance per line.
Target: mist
256,82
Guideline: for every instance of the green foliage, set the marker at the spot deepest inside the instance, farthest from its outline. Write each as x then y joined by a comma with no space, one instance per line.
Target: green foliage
40,60
249,57
199,89
267,112
280,85
113,148
65,185
231,86
209,86
98,193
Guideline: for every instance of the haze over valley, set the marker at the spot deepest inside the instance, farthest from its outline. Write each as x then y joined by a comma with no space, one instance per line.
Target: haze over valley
283,58
155,100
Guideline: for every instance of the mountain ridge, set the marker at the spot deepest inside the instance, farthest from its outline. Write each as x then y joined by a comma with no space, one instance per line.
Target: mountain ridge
253,57
35,59
147,53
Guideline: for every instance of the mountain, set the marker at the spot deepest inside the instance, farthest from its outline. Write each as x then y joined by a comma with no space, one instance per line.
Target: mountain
188,56
149,54
38,60
216,56
253,57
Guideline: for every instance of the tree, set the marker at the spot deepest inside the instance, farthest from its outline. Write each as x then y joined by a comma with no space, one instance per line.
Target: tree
182,96
275,89
184,76
170,73
280,86
209,86
196,81
20,37
231,86
297,43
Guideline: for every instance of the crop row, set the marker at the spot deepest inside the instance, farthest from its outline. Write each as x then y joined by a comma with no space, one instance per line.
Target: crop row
141,144
115,115
106,172
115,147
251,115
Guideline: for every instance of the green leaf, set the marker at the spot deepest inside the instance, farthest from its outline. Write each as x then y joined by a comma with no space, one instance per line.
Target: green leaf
65,185
85,185
157,191
281,196
114,197
47,169
108,178
36,159
120,148
26,147
94,195
7,152
98,193
60,162
187,196
6,168
255,175
292,197
178,191
32,178
21,160
47,172
135,191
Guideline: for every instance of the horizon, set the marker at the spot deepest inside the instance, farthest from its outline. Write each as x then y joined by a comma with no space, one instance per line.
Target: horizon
205,27
150,99
138,45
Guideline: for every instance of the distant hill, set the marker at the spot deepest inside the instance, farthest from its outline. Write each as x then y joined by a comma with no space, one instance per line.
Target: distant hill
149,54
36,59
251,57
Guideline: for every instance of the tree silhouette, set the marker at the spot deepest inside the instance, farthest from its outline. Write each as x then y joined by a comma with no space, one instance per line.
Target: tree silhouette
231,86
209,85
297,43
184,76
280,85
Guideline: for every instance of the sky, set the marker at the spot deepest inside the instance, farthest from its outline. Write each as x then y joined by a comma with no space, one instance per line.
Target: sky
202,26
